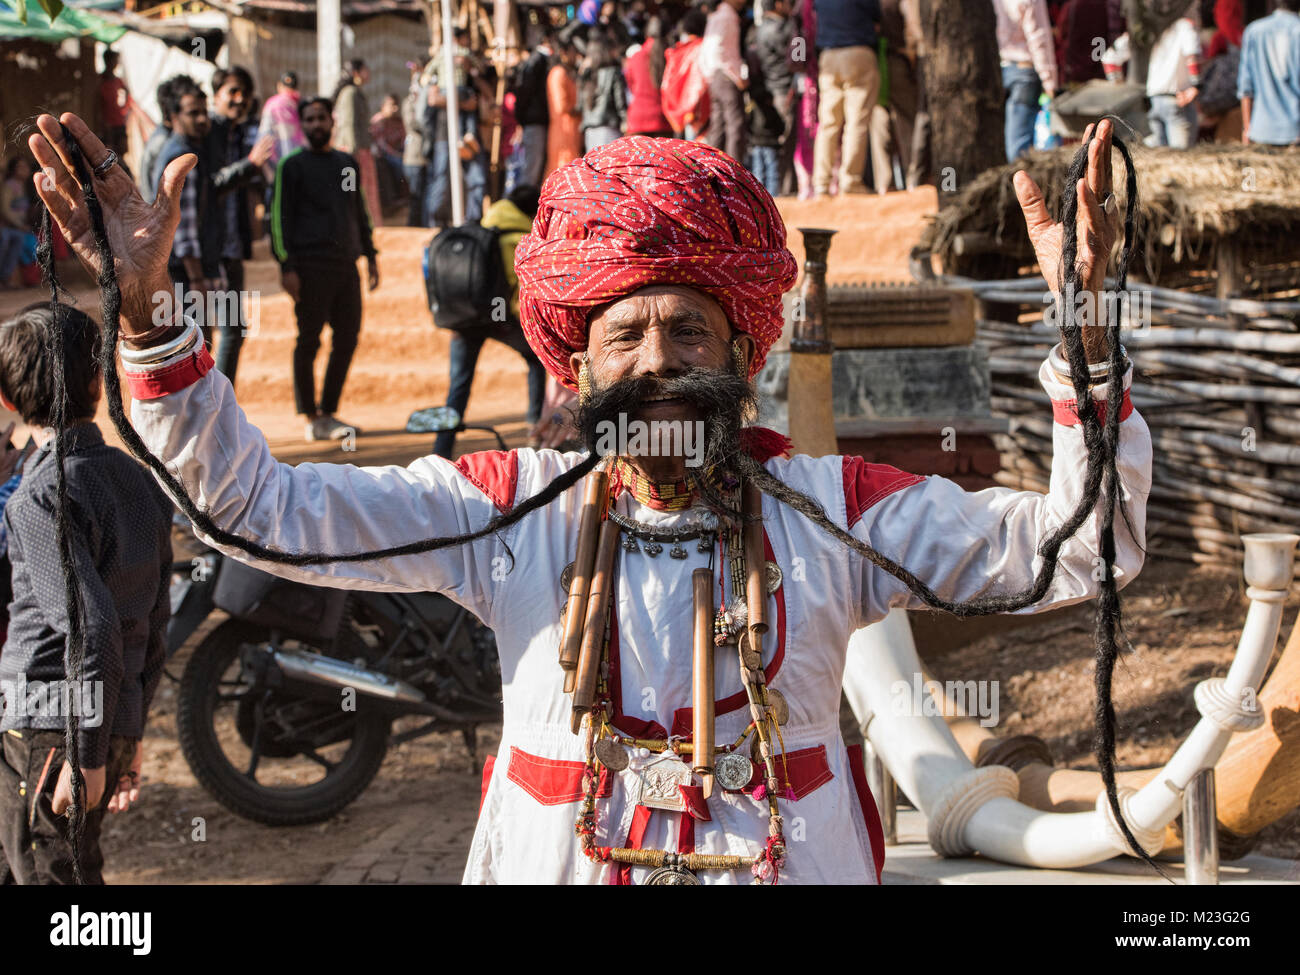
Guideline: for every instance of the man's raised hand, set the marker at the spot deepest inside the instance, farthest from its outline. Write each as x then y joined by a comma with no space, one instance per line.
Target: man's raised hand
1097,230
139,233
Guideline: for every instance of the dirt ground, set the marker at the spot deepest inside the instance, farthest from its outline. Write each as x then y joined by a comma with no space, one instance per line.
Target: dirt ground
1184,623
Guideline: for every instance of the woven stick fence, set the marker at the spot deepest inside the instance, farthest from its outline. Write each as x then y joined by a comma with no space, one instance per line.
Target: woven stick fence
1218,383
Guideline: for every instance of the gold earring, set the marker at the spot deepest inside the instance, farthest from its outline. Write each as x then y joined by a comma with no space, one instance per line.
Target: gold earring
584,379
738,360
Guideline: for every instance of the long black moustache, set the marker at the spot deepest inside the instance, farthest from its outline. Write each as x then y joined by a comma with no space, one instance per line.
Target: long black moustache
722,397
1101,481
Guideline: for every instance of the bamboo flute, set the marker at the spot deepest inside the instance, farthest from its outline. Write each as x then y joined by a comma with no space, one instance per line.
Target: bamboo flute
702,683
593,630
575,615
755,562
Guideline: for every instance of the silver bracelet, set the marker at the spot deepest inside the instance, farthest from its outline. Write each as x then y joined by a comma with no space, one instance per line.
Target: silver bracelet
156,353
1097,371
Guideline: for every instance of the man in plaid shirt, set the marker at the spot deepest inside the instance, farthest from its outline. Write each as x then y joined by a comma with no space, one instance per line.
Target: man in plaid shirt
195,262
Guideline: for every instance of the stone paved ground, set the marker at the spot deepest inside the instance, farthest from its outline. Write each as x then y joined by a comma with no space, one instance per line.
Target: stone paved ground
425,846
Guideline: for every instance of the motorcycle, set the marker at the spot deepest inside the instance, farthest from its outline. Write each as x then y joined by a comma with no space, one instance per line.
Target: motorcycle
285,710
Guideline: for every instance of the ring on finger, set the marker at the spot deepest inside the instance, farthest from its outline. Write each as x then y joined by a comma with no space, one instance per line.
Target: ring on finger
108,163
1109,205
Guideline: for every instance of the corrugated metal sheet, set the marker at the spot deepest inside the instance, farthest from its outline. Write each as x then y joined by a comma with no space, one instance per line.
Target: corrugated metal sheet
385,43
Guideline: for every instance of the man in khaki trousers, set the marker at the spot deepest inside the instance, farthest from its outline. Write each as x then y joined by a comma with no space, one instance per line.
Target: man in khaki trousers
847,85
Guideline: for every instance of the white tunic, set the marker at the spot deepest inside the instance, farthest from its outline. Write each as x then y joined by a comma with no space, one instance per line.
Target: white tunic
963,544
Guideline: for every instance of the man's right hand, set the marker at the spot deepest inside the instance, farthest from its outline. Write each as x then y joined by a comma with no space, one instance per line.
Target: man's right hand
139,233
292,285
262,150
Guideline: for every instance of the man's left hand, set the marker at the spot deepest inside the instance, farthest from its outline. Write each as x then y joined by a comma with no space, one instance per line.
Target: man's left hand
1186,97
1097,231
372,268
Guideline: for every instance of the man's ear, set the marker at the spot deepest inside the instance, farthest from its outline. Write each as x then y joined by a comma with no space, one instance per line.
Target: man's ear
8,404
745,343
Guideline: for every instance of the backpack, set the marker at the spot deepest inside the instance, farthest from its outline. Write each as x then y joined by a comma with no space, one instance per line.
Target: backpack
465,279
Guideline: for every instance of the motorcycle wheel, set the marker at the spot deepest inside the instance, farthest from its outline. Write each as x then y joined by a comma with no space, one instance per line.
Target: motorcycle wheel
219,709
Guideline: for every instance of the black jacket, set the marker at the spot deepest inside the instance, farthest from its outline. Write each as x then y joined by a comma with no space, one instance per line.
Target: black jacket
529,86
120,525
318,212
232,172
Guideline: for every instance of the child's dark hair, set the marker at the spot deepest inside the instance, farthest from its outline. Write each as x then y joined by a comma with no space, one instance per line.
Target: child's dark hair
27,362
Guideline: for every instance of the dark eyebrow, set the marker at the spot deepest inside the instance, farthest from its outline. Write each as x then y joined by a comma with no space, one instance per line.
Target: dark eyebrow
688,315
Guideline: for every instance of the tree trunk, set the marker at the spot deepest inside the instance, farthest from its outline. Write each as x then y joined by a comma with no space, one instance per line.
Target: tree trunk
963,86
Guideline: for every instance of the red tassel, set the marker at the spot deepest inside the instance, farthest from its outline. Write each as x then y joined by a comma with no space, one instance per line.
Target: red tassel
763,444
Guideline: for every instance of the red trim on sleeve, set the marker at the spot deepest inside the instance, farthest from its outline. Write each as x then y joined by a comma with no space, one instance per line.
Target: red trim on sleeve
495,473
865,484
1065,411
869,812
488,764
172,379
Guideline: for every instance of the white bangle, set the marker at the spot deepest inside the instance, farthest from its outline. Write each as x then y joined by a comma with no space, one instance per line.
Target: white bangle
156,353
1097,371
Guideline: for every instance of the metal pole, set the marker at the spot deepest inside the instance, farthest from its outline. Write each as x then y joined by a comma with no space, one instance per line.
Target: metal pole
329,53
453,118
1201,831
884,792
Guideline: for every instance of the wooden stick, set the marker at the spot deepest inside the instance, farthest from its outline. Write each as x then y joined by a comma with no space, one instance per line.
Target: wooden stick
584,563
755,561
593,630
703,736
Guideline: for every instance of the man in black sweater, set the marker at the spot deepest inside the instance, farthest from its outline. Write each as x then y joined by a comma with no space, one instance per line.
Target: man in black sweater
319,227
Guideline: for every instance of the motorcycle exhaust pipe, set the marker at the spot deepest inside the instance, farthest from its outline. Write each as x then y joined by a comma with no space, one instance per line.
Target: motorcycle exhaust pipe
316,669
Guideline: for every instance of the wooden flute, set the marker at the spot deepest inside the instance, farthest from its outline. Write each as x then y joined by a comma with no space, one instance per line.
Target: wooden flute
702,682
584,563
755,561
593,630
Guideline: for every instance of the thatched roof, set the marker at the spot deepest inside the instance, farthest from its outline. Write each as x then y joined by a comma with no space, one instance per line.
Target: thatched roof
1189,199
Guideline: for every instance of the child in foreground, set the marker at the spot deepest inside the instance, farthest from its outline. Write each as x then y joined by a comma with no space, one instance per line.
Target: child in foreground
120,527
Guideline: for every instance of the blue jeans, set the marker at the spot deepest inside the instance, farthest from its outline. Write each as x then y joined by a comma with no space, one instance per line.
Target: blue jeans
765,165
1022,88
437,206
417,180
533,147
11,250
465,347
1170,125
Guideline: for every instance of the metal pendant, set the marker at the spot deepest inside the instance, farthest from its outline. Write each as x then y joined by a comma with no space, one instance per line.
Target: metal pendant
566,577
611,754
653,548
705,544
773,577
732,770
677,552
777,705
629,544
672,876
659,782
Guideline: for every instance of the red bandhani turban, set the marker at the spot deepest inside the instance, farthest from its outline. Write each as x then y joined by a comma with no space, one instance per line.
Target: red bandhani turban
643,211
